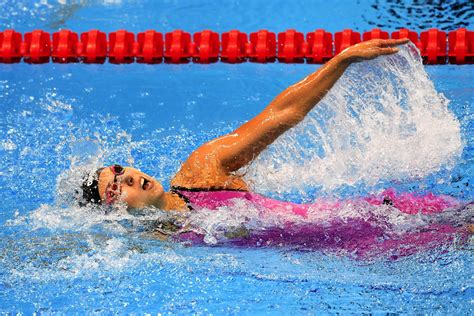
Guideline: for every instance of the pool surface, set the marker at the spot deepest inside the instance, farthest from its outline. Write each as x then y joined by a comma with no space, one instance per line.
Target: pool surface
55,118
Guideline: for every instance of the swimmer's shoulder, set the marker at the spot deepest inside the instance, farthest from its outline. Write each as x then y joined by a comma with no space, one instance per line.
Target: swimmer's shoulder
203,171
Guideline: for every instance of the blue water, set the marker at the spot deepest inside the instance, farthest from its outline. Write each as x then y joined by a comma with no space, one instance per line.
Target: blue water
55,116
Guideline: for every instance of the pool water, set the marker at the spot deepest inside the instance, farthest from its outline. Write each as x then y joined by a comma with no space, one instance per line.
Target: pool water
55,118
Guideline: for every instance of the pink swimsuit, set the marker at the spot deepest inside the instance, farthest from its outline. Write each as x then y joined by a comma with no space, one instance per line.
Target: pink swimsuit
359,237
408,203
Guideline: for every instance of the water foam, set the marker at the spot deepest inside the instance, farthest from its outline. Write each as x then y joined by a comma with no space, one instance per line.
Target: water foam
383,120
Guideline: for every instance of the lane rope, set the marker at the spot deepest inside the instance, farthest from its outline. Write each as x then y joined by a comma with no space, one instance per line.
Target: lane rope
178,46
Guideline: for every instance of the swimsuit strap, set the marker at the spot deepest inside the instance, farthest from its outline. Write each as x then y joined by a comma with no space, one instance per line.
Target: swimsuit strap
176,188
181,192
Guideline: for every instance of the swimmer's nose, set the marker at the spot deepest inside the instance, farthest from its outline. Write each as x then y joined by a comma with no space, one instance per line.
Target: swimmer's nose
128,180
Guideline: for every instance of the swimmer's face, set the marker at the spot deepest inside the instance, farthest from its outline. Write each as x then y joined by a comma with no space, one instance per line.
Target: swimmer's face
131,186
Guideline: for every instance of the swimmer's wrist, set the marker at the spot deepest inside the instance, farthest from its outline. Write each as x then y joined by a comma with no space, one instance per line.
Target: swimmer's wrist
344,58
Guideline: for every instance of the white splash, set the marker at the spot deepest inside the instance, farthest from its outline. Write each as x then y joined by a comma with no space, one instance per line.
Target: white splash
383,120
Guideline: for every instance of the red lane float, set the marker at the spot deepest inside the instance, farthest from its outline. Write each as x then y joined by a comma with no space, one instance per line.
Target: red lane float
206,48
290,47
433,47
93,47
262,46
406,33
121,47
234,46
149,47
10,47
461,47
65,46
177,47
375,34
318,47
36,47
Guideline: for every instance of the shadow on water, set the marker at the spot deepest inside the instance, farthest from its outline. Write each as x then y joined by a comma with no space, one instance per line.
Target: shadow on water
420,15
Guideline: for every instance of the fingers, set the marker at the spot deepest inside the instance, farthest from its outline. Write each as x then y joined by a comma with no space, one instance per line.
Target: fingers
389,50
394,42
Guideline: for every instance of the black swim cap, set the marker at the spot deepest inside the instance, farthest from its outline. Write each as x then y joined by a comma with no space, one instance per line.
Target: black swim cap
90,189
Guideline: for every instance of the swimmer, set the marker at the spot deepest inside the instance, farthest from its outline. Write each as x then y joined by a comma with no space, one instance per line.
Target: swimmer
213,166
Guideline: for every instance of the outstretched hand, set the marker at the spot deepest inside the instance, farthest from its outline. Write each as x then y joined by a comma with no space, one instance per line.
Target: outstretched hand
372,49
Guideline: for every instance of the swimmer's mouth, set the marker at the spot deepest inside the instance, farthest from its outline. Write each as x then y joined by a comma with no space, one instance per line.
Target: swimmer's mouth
146,184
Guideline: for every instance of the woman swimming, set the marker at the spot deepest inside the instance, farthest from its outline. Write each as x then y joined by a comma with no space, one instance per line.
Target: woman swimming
212,166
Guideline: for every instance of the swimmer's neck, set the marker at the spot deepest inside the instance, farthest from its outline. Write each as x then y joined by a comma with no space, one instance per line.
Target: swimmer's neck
172,202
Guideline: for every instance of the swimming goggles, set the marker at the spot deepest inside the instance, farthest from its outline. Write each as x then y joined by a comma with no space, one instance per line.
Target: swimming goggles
114,189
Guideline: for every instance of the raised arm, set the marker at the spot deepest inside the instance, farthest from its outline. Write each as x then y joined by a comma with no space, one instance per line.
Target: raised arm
238,148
